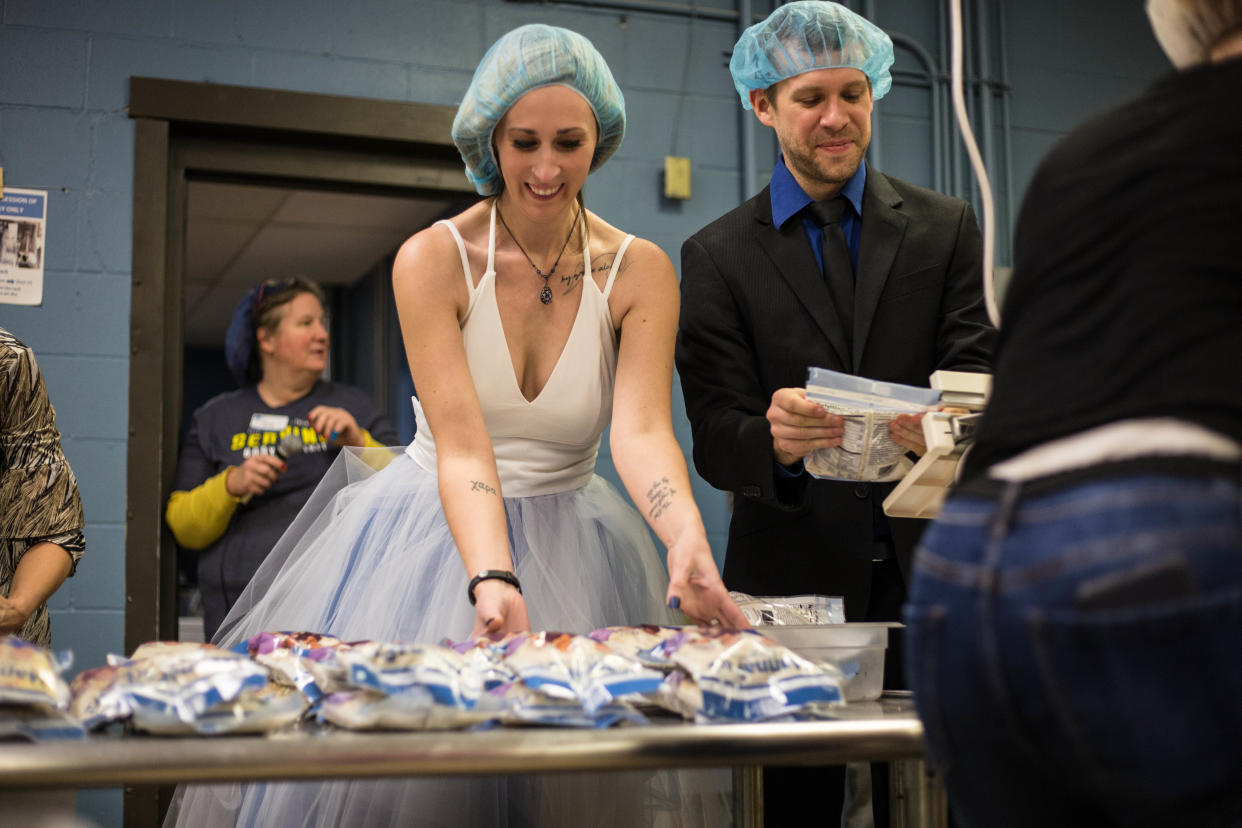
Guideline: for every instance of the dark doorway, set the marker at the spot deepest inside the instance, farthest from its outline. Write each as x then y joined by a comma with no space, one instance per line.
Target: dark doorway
227,180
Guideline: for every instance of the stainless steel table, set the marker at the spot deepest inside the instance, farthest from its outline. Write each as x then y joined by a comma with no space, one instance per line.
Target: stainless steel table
887,730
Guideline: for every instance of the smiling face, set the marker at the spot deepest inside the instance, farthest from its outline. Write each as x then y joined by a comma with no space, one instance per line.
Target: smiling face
823,123
299,342
544,145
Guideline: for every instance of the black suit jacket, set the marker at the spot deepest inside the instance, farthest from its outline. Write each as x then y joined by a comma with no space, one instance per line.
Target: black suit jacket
756,313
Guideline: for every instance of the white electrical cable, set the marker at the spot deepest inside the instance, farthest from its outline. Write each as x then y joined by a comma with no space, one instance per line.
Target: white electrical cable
976,162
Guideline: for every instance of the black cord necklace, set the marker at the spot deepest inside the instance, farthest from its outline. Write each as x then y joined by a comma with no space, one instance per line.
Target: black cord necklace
545,295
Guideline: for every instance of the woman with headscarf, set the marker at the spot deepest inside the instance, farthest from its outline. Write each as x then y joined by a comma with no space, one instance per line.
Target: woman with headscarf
252,457
1076,614
530,323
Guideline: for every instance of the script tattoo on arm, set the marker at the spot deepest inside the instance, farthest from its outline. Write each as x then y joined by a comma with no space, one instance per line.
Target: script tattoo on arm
598,265
480,486
659,495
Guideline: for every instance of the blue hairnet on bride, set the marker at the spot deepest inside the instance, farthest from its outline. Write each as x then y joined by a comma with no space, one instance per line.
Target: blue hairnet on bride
524,59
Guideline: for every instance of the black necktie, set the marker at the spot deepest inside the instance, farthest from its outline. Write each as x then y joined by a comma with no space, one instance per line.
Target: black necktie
838,269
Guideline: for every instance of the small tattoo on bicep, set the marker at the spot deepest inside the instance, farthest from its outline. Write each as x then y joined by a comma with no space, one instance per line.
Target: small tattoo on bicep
659,495
480,486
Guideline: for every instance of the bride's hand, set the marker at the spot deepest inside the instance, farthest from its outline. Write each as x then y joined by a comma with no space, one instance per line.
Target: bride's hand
694,586
499,609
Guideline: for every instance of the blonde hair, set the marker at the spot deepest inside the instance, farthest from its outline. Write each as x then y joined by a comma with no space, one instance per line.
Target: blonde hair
1188,29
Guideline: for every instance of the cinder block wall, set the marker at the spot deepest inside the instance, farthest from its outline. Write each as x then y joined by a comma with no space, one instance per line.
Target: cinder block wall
63,128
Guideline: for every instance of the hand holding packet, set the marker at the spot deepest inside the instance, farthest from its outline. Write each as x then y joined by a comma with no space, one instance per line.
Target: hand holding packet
867,452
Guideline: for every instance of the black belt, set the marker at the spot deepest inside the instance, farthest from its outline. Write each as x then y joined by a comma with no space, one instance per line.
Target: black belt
992,487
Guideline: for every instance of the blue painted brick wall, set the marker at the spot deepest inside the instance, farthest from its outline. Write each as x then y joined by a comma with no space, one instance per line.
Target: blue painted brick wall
63,128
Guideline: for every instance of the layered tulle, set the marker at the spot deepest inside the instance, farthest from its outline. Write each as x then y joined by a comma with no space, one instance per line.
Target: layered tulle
371,557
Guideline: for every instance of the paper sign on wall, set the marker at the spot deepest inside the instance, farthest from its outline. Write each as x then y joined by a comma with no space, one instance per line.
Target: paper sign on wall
23,233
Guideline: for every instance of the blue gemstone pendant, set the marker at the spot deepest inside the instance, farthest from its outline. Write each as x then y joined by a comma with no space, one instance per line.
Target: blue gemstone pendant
545,295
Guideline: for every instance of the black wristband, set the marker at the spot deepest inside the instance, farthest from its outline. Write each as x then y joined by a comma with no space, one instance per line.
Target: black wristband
492,575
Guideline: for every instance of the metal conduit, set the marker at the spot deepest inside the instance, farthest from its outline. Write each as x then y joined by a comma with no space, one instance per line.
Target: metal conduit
952,152
746,122
876,149
984,67
1006,133
654,7
970,89
934,81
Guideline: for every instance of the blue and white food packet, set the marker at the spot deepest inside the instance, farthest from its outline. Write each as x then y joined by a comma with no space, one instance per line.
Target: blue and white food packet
412,709
636,641
254,710
530,706
484,657
34,697
741,676
31,675
576,667
174,688
305,660
866,406
394,668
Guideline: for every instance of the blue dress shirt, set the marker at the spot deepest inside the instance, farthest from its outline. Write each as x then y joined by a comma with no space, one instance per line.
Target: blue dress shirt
788,200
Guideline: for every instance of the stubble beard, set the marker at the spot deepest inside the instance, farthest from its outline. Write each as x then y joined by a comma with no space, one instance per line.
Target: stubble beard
834,176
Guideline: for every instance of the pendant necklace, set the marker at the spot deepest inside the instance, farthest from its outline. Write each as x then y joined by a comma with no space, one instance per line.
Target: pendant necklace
545,295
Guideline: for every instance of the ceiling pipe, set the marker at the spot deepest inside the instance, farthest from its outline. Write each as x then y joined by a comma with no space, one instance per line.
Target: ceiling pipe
649,6
1006,127
934,79
746,121
987,126
876,151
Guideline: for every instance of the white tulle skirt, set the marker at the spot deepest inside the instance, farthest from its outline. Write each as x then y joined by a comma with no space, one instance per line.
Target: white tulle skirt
371,557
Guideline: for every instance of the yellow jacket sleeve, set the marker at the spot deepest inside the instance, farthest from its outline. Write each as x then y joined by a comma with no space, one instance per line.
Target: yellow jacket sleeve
200,516
375,459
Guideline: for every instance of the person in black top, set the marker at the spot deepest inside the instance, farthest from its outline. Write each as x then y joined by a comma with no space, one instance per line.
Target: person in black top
253,456
1076,609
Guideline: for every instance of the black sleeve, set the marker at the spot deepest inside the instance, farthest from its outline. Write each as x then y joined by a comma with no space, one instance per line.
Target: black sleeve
725,399
965,337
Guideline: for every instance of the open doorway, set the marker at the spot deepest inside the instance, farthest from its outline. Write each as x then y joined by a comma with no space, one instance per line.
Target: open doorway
240,233
230,181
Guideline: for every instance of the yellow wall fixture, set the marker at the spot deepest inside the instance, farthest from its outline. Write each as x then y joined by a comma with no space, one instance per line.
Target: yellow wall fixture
676,177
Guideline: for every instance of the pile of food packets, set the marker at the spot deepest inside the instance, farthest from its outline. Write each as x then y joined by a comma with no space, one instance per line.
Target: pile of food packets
717,675
175,688
284,680
34,698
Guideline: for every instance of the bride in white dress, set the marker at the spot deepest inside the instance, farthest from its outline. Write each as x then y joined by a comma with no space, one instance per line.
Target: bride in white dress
530,323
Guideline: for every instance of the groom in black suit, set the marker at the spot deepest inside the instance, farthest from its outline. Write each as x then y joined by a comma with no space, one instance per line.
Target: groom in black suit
833,265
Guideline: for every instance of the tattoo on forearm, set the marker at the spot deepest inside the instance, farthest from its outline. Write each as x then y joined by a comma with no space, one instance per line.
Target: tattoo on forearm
479,485
659,495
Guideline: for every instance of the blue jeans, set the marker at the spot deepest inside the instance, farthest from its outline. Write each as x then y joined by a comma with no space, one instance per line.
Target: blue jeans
1075,650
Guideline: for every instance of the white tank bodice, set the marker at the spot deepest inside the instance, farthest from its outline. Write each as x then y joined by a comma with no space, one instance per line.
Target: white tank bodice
548,444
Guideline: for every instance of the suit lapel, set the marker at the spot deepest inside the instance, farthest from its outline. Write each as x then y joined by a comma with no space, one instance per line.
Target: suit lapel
791,254
883,227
